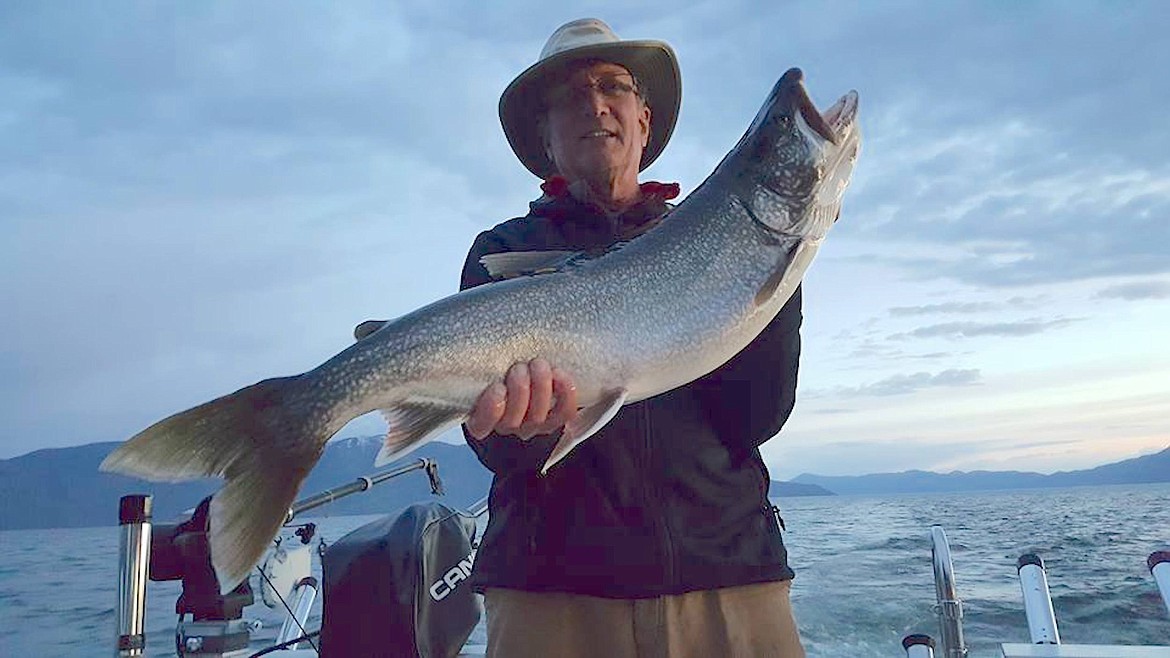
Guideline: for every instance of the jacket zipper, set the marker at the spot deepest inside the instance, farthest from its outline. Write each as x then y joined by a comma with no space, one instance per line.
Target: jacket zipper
661,521
534,512
768,508
775,511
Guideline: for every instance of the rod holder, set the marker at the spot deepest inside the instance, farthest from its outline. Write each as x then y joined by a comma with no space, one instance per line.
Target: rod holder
303,596
918,646
133,565
1159,564
1037,600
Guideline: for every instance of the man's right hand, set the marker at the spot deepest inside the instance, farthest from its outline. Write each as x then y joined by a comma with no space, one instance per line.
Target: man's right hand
534,398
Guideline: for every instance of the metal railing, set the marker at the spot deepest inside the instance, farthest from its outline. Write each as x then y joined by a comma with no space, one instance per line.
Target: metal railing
134,553
949,607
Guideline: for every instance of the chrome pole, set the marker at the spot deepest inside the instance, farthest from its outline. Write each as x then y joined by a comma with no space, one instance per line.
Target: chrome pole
1037,600
918,646
479,507
133,564
950,608
303,596
1159,564
364,483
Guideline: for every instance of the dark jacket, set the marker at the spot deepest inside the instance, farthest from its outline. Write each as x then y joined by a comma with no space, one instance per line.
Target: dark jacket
671,495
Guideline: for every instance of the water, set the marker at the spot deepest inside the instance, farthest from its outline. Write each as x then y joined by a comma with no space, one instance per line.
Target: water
864,577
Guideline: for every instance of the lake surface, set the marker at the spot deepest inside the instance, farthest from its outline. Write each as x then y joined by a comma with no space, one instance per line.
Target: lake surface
864,577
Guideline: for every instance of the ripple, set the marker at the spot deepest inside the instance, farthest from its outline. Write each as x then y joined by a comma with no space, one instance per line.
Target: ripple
864,577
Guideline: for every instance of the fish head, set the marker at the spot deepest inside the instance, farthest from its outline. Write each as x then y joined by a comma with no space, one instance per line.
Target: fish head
791,167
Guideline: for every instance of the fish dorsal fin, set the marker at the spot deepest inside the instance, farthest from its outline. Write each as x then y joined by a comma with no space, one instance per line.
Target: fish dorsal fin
511,264
411,421
586,424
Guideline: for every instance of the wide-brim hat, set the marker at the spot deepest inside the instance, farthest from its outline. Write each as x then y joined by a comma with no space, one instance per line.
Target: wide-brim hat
653,64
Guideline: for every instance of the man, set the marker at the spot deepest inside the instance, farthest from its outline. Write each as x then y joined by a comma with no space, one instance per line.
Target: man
655,537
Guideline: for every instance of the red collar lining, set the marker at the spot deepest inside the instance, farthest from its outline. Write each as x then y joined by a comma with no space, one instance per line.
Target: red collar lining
558,187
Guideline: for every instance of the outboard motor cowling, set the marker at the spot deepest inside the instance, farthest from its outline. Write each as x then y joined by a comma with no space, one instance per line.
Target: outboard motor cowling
398,586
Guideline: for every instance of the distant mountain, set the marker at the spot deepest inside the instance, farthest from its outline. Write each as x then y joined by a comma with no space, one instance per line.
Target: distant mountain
62,487
1139,470
793,489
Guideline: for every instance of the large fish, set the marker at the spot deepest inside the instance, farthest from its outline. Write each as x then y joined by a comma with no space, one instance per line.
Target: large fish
645,317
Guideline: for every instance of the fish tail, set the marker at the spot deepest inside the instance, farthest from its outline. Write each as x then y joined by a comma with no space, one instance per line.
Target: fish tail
262,447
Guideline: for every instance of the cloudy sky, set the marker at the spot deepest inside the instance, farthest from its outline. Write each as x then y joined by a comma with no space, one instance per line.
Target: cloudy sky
197,196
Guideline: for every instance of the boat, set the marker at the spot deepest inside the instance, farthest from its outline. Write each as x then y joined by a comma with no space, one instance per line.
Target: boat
1042,628
400,587
372,575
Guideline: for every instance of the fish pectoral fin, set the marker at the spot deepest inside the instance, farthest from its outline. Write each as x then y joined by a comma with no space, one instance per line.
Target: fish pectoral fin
411,421
518,263
787,275
587,422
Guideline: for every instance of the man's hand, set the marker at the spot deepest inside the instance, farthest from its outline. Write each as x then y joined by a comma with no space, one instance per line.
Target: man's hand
535,398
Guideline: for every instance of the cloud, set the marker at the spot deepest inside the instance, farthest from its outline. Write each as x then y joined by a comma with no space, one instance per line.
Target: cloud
1136,291
978,329
195,197
833,411
935,355
1029,301
906,384
871,349
944,308
853,457
1014,180
1002,225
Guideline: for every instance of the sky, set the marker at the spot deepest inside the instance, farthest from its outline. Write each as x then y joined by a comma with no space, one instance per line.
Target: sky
197,196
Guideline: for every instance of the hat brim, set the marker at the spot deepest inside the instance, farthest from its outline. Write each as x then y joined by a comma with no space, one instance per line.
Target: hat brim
654,65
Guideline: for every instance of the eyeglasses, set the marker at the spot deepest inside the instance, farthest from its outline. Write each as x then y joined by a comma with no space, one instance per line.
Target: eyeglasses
611,87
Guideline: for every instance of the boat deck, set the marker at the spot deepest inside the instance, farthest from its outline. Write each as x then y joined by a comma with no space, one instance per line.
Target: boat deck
1083,651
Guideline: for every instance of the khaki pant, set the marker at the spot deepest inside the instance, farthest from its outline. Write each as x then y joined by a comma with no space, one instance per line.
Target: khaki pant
749,621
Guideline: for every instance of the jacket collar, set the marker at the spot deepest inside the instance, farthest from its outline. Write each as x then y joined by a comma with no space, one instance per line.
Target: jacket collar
558,204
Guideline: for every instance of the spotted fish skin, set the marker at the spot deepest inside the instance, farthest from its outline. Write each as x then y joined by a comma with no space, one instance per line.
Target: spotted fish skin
648,316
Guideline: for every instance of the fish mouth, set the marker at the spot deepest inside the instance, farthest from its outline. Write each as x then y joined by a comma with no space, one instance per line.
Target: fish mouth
839,118
789,101
789,132
834,124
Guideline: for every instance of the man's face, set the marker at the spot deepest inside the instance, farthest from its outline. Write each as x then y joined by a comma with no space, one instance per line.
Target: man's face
597,124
